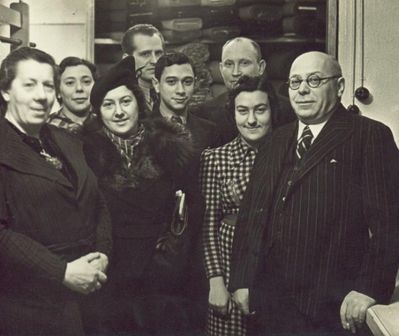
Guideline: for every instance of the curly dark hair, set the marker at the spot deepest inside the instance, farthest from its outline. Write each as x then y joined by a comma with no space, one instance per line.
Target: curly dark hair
251,84
71,61
170,59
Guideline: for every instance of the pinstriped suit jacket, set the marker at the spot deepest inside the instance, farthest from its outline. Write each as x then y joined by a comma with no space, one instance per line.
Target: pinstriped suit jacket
344,189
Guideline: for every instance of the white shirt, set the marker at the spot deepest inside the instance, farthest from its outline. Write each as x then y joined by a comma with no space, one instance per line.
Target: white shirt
316,129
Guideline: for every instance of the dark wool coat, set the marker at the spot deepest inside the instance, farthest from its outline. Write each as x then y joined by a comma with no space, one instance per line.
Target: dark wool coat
141,209
141,213
44,223
328,227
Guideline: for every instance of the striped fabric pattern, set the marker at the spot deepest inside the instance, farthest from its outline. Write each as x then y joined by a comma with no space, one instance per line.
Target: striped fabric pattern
319,217
304,142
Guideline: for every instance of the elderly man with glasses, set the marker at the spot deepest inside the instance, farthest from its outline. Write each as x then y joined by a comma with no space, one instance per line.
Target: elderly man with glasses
316,242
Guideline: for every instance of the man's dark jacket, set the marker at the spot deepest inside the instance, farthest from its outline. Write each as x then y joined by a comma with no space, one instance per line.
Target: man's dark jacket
335,226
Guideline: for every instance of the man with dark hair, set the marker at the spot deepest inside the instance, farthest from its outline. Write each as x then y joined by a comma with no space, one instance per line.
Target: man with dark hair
174,81
146,44
317,236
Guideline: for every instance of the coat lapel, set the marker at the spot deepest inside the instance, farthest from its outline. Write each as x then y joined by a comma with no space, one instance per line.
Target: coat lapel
17,155
275,152
335,132
73,153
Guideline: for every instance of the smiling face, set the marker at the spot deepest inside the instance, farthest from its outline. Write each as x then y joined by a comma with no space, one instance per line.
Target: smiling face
239,58
119,111
147,51
31,94
315,105
175,87
75,87
252,115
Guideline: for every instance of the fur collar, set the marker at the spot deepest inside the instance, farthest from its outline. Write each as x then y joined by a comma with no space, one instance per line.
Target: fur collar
165,150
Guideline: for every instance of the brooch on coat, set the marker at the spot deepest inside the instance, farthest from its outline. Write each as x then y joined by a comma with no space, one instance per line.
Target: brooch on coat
54,161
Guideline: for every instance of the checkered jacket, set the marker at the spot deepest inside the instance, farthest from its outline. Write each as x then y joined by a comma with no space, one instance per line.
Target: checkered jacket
224,176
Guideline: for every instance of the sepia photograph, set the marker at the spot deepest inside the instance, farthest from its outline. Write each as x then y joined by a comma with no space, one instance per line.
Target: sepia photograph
199,168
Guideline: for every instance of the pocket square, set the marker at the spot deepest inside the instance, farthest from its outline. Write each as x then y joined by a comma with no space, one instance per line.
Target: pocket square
333,161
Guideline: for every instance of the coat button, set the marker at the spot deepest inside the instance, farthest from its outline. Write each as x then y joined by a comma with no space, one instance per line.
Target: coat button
290,183
283,199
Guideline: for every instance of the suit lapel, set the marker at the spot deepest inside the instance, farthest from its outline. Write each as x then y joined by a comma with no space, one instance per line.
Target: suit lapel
275,152
335,132
17,155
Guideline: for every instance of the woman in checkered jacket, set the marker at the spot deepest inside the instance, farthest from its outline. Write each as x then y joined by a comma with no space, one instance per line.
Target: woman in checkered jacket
224,175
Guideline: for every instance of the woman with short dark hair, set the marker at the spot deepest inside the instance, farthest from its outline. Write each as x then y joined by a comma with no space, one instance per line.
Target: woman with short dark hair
54,227
224,175
77,78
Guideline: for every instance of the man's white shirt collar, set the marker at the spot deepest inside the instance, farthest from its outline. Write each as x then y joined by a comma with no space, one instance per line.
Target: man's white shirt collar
316,129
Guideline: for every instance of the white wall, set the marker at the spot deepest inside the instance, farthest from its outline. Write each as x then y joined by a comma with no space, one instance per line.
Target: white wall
4,31
60,27
381,57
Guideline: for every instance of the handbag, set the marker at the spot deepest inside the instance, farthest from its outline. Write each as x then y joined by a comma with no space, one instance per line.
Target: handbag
172,249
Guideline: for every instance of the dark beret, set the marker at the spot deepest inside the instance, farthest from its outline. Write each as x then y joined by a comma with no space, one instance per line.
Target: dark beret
123,73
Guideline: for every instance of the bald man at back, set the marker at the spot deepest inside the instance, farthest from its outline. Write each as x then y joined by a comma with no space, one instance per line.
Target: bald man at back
240,56
316,241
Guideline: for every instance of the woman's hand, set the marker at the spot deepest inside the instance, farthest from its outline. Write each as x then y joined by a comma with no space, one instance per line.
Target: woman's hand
241,298
219,297
100,263
82,277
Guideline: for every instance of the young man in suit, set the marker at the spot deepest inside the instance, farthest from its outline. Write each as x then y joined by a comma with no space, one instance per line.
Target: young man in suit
317,239
174,81
146,44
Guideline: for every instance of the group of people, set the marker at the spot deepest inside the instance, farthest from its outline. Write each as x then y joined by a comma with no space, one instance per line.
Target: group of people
128,211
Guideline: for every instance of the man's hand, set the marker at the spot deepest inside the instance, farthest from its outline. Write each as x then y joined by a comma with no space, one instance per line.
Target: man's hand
82,277
353,310
219,297
100,263
241,298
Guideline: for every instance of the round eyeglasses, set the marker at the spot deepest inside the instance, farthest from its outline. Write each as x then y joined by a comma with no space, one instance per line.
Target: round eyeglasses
314,81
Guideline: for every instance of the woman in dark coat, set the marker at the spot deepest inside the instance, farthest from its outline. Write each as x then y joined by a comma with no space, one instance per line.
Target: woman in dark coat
140,165
54,226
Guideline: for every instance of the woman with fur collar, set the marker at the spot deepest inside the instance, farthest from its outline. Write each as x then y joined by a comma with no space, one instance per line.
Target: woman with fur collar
139,164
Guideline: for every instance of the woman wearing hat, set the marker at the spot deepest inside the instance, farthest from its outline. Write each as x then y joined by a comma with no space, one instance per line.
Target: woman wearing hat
55,231
138,164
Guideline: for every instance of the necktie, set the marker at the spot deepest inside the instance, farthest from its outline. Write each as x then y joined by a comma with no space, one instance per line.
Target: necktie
177,120
304,142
